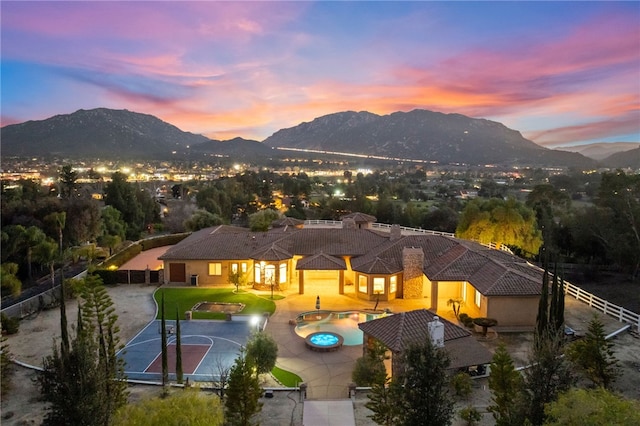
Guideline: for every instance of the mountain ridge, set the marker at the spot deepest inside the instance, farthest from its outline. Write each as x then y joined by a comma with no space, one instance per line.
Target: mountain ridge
420,135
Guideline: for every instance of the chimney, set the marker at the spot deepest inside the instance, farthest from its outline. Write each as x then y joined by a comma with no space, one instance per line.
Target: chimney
436,332
348,223
395,233
412,274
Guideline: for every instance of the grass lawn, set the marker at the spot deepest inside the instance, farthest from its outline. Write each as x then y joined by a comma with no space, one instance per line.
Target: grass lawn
185,298
287,378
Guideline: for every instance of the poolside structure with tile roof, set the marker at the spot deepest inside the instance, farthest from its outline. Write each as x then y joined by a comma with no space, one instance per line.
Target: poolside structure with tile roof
367,263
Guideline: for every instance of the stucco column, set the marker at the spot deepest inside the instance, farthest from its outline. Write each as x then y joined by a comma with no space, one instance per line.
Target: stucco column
341,283
301,283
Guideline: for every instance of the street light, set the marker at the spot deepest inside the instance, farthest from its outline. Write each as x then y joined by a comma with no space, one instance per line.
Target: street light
255,321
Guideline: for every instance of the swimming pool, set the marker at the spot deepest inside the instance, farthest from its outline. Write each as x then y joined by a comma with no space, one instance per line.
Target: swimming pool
344,324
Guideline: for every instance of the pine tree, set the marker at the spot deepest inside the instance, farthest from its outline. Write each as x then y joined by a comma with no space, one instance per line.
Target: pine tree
179,372
425,399
382,402
548,375
74,384
594,356
99,322
243,393
506,387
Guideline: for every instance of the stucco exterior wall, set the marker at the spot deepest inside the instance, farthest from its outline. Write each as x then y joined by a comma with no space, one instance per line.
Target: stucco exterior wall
513,311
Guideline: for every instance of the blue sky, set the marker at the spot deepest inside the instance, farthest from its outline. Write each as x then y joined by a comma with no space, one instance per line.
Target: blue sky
562,73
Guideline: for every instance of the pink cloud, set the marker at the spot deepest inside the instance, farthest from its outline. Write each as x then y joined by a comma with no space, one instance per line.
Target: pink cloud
589,131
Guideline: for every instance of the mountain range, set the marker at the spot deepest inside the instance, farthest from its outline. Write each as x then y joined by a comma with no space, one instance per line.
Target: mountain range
417,135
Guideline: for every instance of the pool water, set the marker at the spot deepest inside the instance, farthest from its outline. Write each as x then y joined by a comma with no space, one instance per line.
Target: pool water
343,323
324,339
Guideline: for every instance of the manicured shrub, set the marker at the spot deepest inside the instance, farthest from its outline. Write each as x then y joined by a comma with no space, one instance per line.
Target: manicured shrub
10,325
462,385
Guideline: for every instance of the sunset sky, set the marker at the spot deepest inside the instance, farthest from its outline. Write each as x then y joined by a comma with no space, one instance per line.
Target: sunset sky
562,73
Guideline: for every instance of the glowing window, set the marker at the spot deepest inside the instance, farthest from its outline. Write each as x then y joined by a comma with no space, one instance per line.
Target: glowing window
215,268
478,298
393,284
283,273
378,285
234,268
362,283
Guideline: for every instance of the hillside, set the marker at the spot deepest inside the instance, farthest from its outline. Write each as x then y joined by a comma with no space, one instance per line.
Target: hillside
102,132
625,159
602,150
422,135
419,135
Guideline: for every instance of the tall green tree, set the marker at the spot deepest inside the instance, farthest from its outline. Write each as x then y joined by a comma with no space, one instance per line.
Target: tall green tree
179,372
262,220
425,399
9,282
46,253
593,356
83,222
67,179
73,384
262,349
163,344
505,384
58,220
383,402
242,401
121,195
6,367
202,219
548,375
502,222
100,322
370,369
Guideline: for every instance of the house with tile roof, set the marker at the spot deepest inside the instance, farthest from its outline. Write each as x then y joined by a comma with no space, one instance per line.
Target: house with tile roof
364,262
399,331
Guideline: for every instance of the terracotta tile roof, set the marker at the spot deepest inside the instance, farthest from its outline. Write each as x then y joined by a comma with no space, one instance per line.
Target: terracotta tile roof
377,266
399,331
335,242
287,221
359,217
467,351
322,262
491,272
271,253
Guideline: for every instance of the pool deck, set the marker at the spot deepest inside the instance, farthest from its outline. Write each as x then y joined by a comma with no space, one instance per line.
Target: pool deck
327,374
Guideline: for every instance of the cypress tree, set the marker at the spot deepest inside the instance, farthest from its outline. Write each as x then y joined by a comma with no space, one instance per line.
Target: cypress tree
179,373
163,343
542,320
64,332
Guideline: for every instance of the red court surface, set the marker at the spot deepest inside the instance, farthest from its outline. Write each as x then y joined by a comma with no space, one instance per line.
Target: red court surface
192,356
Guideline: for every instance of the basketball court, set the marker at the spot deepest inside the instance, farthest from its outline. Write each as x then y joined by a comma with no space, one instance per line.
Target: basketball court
205,347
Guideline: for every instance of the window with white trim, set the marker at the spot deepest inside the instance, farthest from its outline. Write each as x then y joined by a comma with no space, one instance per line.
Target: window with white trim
215,268
362,283
378,285
283,273
478,298
393,284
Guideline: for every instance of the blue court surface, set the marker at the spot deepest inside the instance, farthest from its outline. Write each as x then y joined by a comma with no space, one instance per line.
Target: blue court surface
205,346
